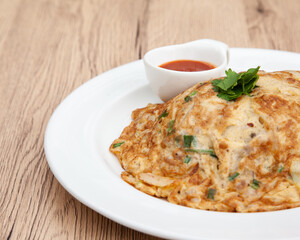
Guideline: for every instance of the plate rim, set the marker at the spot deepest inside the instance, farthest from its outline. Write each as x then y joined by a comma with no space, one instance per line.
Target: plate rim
61,180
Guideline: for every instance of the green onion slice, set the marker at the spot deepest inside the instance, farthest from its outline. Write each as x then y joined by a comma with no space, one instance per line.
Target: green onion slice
211,193
233,176
193,93
170,129
189,97
207,151
255,184
281,167
164,114
187,140
187,159
118,144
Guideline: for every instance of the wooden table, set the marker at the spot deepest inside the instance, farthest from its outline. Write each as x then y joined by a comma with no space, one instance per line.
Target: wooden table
50,47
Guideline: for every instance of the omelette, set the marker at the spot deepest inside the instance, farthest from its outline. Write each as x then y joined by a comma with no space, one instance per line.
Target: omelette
201,151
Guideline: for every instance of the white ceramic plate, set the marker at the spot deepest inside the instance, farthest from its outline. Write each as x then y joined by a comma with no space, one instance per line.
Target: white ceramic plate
83,126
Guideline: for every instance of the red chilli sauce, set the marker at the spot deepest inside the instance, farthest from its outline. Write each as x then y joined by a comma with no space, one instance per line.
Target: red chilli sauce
187,65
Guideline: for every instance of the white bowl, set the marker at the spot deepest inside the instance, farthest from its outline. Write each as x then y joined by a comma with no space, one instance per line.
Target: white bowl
169,83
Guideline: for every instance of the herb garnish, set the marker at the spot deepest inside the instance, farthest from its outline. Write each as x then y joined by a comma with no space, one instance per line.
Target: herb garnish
187,159
208,151
189,97
164,114
255,184
233,176
211,193
170,129
193,93
281,167
187,140
236,84
214,155
118,144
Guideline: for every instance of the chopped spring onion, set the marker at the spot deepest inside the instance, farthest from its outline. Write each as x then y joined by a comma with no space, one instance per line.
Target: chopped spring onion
255,184
193,93
187,140
281,167
164,114
213,155
233,176
118,144
211,193
207,151
187,159
189,97
170,129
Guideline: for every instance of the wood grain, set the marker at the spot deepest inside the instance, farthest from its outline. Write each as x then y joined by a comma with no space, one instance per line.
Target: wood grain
50,47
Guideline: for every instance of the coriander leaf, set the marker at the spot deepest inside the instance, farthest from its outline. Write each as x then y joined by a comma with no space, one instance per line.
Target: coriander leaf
187,140
250,86
118,144
187,159
250,74
229,81
231,92
236,84
228,97
164,114
216,82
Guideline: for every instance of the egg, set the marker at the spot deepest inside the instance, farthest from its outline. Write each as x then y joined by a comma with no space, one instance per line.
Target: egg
208,153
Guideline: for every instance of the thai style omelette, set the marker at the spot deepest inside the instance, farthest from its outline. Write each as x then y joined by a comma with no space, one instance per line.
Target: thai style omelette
201,151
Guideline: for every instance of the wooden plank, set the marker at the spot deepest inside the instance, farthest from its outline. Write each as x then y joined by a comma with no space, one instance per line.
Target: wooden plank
50,47
273,24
